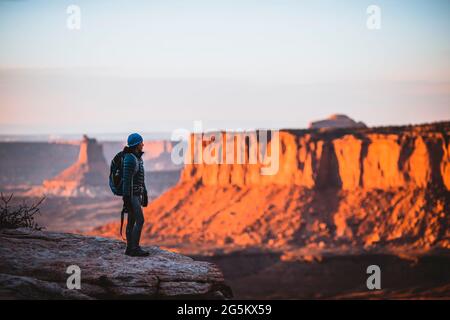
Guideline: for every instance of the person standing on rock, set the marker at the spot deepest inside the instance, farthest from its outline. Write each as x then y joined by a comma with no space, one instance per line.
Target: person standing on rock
134,193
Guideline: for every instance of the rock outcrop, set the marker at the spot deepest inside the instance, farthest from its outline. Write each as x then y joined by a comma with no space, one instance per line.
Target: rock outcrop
363,188
86,177
345,159
336,121
33,265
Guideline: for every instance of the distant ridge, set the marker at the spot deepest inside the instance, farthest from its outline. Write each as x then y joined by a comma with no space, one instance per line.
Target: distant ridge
336,121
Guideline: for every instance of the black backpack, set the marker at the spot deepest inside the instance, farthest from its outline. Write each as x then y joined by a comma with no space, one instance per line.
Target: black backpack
116,174
116,181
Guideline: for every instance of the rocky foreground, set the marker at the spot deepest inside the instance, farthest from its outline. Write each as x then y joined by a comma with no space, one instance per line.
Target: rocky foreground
33,265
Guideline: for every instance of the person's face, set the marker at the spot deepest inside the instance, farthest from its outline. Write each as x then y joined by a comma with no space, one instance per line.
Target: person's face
140,147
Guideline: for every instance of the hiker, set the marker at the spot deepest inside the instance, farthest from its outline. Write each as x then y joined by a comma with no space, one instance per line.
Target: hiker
134,193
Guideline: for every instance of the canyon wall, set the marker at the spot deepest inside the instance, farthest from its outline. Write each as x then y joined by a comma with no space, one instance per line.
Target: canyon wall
368,159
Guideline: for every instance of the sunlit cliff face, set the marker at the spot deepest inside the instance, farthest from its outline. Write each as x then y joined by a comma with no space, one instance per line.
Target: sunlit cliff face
259,149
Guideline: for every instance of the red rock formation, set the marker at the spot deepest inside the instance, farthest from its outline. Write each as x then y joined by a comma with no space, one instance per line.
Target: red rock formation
86,177
357,187
342,160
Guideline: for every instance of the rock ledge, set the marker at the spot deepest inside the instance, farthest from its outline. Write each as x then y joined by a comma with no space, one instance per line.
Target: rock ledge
33,265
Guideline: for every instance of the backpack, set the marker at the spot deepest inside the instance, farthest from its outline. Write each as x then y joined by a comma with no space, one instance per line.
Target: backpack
116,174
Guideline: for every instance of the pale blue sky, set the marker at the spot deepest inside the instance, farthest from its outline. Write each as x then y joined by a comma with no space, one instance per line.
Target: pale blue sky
158,65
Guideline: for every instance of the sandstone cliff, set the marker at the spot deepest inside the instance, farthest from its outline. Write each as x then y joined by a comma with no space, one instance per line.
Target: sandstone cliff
379,187
88,176
348,160
33,265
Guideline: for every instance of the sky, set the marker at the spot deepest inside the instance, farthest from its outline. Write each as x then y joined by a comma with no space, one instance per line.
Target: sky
160,65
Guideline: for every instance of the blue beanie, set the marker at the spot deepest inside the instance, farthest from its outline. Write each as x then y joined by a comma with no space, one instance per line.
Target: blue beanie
134,139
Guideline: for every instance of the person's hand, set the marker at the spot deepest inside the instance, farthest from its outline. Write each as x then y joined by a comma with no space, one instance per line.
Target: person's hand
145,199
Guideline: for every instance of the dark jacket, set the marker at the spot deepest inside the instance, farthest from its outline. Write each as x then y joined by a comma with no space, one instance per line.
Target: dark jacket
133,173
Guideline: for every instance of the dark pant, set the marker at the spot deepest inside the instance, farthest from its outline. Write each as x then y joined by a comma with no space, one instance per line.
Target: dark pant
135,222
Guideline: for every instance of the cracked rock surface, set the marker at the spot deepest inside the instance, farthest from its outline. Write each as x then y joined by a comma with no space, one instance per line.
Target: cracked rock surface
33,265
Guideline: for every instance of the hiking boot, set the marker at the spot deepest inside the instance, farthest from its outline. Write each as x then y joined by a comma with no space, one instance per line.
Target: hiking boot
138,252
128,251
